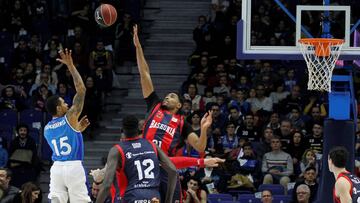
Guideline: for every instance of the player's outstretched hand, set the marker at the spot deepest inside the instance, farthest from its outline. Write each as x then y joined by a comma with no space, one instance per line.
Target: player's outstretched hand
65,57
136,37
213,162
83,123
206,120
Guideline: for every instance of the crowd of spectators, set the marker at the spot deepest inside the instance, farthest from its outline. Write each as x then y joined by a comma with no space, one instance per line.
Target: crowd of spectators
265,123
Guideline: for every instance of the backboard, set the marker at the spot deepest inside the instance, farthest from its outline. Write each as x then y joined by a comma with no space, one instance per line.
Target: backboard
270,29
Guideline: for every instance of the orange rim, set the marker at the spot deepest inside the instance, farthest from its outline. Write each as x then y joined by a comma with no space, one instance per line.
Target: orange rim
322,45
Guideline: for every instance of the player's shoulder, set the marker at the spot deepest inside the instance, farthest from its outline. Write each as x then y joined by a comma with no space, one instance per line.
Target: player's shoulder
342,183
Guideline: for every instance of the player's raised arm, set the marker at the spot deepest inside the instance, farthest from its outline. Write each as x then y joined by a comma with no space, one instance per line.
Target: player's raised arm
78,102
113,162
170,168
199,143
145,78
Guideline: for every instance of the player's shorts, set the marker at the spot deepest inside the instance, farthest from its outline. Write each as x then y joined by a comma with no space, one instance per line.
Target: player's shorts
68,180
141,195
163,187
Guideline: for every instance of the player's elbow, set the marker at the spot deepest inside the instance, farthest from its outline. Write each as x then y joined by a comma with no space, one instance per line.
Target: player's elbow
81,90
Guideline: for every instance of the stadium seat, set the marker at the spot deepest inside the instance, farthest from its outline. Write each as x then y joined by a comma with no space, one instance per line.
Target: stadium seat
32,118
35,134
215,198
248,198
282,199
8,117
7,132
276,189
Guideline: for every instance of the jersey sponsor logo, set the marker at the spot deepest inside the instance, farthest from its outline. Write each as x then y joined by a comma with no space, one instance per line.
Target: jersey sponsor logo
142,201
136,145
55,125
163,127
128,155
174,119
159,114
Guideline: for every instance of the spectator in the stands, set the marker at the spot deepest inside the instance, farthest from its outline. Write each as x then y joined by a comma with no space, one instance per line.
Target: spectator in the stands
43,81
294,99
266,196
277,165
20,83
235,116
229,139
7,191
295,117
315,101
39,97
265,143
248,130
290,80
261,102
194,193
101,60
308,160
23,159
303,194
274,123
196,99
240,102
279,94
315,117
10,100
296,149
285,133
309,179
53,78
315,139
200,82
209,96
30,193
51,50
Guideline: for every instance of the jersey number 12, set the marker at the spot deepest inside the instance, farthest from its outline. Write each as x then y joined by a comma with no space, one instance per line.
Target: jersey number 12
149,164
65,148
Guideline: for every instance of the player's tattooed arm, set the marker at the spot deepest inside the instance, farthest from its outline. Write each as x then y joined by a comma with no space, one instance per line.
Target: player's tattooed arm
113,161
170,168
78,102
145,78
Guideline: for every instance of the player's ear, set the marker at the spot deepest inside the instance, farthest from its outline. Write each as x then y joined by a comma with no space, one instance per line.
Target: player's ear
178,105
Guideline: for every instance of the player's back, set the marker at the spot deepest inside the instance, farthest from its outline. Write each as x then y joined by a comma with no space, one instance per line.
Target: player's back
140,169
355,186
65,142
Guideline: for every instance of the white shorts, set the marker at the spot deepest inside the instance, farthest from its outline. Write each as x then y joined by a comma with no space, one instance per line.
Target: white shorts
68,180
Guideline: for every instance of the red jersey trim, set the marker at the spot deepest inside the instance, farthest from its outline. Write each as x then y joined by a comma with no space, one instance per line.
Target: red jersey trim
157,107
131,138
337,199
122,156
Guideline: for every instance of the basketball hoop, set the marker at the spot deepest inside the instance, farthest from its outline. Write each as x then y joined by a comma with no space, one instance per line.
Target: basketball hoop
320,55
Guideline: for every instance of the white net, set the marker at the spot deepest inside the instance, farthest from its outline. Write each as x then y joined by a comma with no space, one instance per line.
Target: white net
320,57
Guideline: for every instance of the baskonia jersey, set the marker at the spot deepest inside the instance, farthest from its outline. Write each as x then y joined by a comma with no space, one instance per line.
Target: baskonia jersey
164,129
66,142
139,168
354,189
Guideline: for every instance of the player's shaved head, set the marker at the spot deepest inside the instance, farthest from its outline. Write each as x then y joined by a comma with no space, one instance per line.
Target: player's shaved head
130,126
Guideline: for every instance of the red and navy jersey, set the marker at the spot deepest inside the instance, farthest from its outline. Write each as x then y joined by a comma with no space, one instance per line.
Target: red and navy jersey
168,131
139,166
354,187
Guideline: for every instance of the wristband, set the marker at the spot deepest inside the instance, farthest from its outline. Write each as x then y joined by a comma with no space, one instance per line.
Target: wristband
201,163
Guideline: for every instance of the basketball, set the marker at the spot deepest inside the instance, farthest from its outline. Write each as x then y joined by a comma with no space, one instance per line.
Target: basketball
105,15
